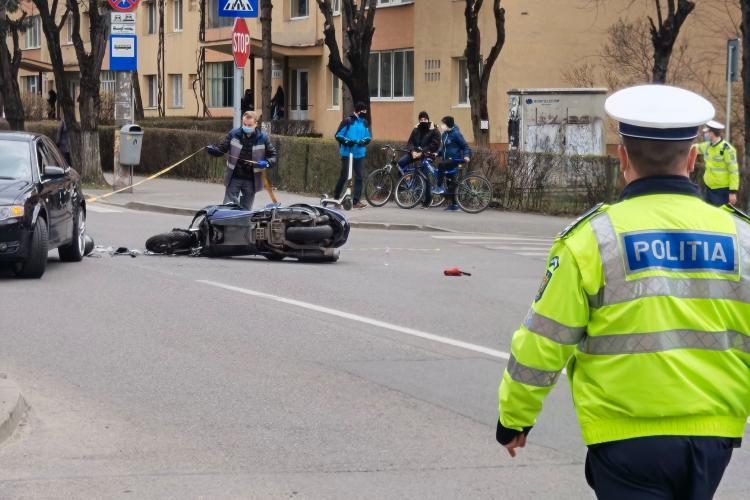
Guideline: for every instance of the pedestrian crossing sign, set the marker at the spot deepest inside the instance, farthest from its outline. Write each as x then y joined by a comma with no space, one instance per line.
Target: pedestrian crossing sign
238,8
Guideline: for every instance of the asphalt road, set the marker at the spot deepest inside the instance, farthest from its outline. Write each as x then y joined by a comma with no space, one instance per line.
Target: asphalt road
376,377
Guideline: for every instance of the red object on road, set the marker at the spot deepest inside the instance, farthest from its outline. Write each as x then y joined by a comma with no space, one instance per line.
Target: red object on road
240,43
124,5
454,271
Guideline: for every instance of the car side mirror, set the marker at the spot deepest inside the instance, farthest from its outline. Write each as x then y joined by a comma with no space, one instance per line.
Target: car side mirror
53,172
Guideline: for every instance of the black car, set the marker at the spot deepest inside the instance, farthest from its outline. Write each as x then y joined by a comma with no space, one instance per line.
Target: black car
41,204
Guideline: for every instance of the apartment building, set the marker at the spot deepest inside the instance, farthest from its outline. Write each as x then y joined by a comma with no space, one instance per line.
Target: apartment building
416,64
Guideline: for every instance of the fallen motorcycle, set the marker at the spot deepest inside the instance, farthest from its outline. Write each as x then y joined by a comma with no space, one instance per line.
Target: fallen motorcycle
304,232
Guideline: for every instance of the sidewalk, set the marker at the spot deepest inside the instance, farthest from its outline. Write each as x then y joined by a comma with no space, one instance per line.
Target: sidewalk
186,197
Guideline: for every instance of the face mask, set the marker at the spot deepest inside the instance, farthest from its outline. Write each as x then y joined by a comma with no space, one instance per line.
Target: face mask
424,125
706,137
248,130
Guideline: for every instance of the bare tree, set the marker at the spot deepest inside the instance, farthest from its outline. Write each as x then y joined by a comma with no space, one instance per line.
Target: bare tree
664,33
353,68
745,25
10,62
199,84
160,76
479,70
84,137
266,19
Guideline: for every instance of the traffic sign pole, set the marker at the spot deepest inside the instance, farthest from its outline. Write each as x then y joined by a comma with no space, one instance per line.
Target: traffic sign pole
238,84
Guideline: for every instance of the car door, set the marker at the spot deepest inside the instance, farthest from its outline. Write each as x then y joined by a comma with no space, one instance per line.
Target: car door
68,186
51,195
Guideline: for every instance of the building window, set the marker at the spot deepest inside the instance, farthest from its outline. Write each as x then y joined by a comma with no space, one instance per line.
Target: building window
107,82
391,74
69,24
463,82
300,8
152,91
214,21
34,33
220,84
176,82
31,85
177,15
335,92
336,7
385,3
151,15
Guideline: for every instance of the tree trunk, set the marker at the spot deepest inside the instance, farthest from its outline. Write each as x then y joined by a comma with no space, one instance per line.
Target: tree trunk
89,105
664,33
662,54
745,25
160,76
9,89
266,18
138,111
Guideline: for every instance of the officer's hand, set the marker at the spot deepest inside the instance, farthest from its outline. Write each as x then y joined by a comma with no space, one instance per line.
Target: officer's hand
213,150
732,198
261,164
518,442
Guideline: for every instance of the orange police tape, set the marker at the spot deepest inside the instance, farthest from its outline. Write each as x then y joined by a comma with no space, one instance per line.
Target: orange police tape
266,182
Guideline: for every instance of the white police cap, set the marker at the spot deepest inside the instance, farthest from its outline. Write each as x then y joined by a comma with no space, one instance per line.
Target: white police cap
659,112
714,125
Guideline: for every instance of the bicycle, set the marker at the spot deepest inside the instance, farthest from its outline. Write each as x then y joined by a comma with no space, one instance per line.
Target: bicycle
473,191
379,185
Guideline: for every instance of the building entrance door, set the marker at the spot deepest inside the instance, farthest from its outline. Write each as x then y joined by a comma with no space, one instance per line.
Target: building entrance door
299,103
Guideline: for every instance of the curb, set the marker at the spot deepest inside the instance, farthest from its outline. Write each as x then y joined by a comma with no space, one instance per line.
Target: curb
12,407
151,207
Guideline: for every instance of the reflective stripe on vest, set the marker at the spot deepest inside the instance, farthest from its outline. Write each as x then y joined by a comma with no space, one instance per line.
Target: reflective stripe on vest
551,329
617,290
531,376
639,343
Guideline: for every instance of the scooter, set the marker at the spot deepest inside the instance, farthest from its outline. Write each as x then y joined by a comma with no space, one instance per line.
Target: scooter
346,198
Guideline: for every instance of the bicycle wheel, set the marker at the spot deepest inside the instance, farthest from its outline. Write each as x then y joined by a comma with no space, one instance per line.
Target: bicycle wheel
410,190
473,193
437,199
379,187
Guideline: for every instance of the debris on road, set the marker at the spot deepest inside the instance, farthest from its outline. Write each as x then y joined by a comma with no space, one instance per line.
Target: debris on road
454,271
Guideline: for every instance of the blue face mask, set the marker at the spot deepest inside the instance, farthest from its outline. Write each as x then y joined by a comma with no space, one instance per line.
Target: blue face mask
706,137
248,130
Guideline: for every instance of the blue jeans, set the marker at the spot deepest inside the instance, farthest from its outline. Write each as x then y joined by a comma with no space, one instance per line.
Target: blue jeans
237,187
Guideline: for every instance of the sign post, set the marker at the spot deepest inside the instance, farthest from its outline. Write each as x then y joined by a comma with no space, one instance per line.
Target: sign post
733,72
240,44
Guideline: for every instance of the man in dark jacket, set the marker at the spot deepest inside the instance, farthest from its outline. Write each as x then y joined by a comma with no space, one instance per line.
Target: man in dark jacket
454,151
425,138
250,152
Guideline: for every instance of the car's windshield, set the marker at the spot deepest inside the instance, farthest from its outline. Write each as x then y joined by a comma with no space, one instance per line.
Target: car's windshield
15,160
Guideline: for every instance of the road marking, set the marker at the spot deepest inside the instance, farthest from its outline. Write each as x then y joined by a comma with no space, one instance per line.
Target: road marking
490,238
363,319
533,254
102,210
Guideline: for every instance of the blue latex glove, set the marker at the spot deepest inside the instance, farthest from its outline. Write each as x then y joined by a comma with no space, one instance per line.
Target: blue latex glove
213,150
261,164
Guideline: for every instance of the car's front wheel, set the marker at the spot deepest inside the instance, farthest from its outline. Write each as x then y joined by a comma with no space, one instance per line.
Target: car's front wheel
36,261
75,251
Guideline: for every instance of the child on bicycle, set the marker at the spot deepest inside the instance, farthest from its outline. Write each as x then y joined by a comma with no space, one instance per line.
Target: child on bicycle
454,151
425,138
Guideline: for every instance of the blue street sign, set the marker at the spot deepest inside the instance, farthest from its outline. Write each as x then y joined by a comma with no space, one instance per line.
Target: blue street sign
123,53
238,8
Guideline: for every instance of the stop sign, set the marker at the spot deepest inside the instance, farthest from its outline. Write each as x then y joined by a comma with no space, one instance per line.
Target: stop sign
240,42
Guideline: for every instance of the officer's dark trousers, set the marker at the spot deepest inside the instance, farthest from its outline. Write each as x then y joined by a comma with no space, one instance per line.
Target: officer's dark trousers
658,467
717,197
358,171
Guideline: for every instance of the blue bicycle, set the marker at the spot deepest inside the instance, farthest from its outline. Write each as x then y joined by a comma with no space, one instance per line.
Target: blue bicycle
410,189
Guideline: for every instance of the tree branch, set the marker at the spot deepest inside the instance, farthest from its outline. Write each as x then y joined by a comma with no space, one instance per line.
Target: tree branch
499,13
63,19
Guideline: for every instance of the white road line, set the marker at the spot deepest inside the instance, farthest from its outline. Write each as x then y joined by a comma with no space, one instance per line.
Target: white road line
102,210
533,254
490,238
516,249
363,319
518,243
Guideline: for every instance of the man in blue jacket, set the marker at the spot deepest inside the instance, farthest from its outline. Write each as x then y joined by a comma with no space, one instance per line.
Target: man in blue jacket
250,152
354,135
454,150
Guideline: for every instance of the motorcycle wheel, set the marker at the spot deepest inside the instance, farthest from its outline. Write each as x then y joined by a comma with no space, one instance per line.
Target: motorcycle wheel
169,243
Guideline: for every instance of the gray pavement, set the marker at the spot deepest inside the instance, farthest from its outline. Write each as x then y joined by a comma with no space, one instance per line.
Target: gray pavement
191,196
178,377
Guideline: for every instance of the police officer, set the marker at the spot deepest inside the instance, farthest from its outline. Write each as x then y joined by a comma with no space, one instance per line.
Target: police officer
722,178
250,152
645,302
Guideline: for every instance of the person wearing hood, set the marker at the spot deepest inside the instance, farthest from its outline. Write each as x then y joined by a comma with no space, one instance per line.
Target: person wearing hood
250,152
425,138
353,135
454,150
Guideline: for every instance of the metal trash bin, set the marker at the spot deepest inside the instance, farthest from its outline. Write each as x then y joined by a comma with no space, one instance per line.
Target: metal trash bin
131,141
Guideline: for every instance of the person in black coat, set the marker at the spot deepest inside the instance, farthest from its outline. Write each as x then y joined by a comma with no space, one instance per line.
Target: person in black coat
425,138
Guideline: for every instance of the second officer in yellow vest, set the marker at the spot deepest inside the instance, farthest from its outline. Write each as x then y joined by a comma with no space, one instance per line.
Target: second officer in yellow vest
722,176
647,304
